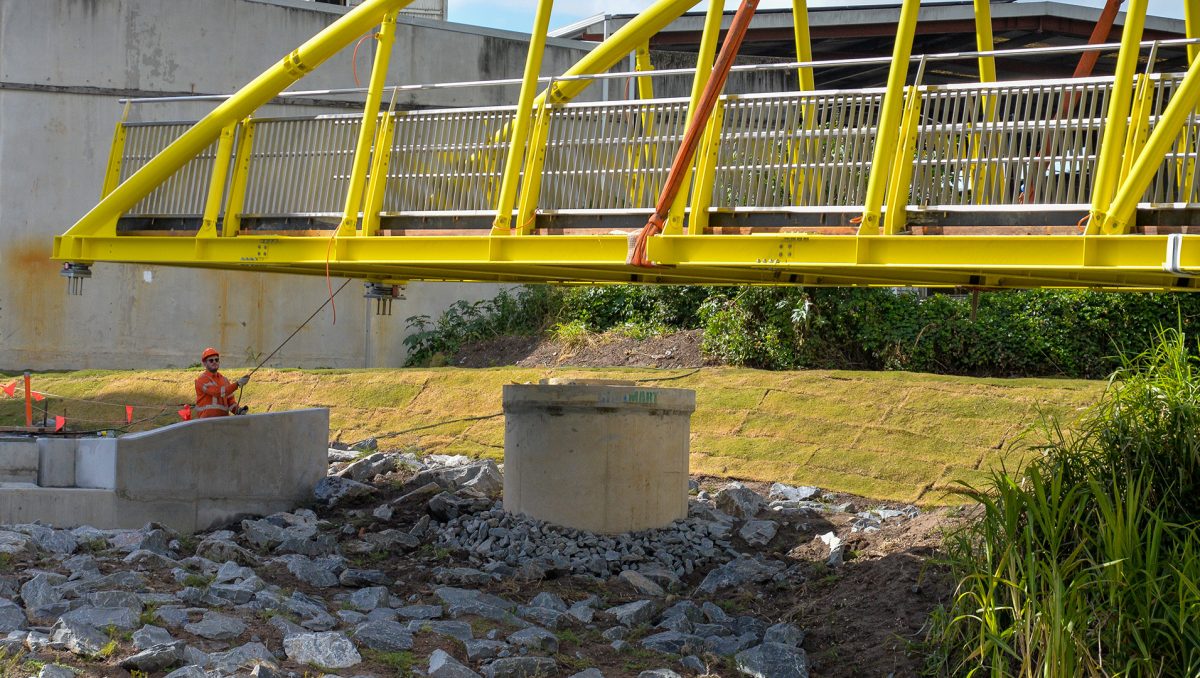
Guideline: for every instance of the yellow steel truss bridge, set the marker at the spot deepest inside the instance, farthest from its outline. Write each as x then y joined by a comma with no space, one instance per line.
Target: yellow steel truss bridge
1085,182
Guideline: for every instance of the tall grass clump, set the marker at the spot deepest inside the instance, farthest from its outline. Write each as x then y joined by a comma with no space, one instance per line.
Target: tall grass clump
1087,562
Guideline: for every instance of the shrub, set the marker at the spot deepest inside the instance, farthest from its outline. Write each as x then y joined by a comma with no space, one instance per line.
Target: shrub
1085,563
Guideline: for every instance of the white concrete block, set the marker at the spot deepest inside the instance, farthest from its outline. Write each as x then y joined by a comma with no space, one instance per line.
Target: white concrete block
96,463
56,462
18,459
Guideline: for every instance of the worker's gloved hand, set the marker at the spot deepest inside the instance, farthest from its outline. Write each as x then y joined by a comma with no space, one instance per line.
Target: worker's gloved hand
243,381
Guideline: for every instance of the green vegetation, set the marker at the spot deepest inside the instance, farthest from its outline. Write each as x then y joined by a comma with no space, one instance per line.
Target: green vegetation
197,580
1087,562
1012,333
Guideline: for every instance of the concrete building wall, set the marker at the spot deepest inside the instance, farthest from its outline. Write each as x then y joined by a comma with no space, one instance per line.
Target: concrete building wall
64,64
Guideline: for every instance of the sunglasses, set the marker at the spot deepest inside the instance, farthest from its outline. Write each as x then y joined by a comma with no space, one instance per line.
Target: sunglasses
212,360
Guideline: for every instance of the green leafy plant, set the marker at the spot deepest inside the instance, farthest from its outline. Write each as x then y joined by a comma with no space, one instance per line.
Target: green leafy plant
1085,563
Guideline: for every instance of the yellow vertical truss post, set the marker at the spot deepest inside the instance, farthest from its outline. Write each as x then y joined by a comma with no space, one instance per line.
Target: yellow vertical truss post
531,186
642,155
380,162
706,170
216,185
1108,165
502,225
889,118
102,219
641,60
232,222
116,155
1139,124
366,133
1124,205
806,82
902,170
1191,19
981,178
704,66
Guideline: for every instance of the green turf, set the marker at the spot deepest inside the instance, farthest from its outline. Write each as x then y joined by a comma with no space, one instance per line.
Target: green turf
889,435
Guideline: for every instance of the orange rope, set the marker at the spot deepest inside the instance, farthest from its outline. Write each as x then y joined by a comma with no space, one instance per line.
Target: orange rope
695,128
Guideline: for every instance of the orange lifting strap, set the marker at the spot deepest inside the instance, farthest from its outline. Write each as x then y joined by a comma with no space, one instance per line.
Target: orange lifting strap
691,137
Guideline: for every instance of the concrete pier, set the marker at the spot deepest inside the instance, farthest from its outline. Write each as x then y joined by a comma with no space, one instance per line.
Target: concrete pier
597,456
190,476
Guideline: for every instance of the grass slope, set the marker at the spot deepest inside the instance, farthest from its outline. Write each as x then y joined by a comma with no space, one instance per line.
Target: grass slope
887,435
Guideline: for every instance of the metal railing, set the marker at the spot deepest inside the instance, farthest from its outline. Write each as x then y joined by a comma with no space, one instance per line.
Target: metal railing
1015,145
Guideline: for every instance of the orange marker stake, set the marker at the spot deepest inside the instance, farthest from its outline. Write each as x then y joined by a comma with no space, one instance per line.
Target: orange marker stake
28,403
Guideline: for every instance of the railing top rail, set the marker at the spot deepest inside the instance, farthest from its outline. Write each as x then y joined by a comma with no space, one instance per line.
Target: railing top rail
743,68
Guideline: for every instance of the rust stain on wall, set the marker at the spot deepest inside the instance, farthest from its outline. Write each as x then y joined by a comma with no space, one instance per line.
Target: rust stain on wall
35,297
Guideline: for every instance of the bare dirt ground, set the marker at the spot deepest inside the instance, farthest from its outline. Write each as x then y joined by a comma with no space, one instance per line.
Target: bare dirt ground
672,351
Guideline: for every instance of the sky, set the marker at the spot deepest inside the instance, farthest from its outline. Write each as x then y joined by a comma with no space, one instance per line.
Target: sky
517,15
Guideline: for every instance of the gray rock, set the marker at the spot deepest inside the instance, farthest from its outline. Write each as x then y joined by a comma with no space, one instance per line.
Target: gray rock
620,645
673,642
15,543
330,650
102,617
419,611
370,598
368,467
739,501
642,584
221,550
481,476
155,658
56,671
355,578
758,532
14,642
521,667
616,633
773,660
385,636
688,609
216,626
714,613
232,572
333,491
191,671
453,629
535,638
148,636
659,673
678,623
48,539
461,576
743,570
172,615
115,599
319,573
77,637
542,616
442,665
351,617
784,634
12,617
336,455
231,661
727,646
635,613
748,624
40,591
392,541
582,612
588,673
479,650
548,600
694,663
790,493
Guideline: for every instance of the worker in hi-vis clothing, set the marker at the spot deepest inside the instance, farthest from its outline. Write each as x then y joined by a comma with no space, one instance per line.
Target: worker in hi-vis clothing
214,393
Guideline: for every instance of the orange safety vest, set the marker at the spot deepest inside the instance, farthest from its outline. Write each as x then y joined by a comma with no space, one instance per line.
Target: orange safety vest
214,395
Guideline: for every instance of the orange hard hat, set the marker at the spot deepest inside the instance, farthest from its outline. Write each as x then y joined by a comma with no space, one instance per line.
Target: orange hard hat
208,353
